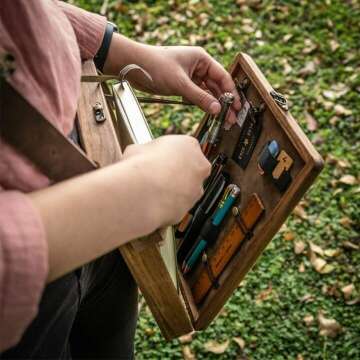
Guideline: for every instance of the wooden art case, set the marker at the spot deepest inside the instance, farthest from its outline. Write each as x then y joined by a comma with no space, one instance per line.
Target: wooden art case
171,300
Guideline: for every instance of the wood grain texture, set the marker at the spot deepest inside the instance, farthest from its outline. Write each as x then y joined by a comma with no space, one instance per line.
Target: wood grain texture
101,143
279,125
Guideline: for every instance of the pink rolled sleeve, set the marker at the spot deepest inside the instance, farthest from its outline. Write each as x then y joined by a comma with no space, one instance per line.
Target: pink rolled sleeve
89,29
45,37
23,265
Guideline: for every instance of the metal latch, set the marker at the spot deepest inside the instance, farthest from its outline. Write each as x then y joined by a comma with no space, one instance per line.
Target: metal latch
280,100
99,113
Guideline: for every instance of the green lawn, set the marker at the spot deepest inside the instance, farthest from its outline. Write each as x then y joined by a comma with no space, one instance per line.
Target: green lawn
309,50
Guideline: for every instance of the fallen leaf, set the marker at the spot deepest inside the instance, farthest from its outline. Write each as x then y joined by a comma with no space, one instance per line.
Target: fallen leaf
332,252
328,94
187,353
327,269
299,247
341,110
318,263
348,180
353,302
345,221
312,124
309,68
343,163
301,267
289,236
328,327
215,347
348,290
240,341
310,46
349,245
308,320
332,290
307,298
287,37
334,45
263,295
316,248
186,338
300,212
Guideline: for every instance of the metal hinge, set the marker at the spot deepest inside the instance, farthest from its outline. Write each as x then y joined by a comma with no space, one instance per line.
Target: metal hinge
280,100
99,113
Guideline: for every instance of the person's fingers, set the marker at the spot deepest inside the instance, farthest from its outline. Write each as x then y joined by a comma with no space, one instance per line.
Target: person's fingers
220,76
213,87
198,96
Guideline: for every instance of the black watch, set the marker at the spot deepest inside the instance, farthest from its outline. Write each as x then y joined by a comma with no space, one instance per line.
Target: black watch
101,55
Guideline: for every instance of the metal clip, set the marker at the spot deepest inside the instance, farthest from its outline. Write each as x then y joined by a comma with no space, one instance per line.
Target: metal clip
280,100
99,113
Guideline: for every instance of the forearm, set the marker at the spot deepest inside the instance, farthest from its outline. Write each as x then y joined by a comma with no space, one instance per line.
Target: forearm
123,51
87,216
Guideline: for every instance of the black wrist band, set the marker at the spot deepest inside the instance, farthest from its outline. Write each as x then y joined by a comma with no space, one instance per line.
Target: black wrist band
101,55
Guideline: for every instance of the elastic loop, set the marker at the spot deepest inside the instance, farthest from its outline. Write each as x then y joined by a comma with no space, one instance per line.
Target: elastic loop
215,284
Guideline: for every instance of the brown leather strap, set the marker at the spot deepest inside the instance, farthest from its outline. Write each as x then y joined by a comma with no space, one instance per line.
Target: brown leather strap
31,134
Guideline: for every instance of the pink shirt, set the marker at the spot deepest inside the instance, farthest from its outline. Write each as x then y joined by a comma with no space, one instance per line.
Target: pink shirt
48,40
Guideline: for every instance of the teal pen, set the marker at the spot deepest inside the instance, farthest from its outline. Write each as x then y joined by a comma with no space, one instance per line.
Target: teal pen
230,195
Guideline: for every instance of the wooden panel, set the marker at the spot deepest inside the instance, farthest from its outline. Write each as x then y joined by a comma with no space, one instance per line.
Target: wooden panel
142,256
279,125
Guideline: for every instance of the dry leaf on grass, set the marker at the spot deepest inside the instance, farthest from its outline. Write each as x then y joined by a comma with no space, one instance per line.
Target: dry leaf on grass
263,295
328,327
309,68
299,247
307,298
334,45
311,123
308,319
289,236
186,338
319,264
316,249
187,353
240,341
301,267
341,110
345,221
332,252
215,347
348,290
350,245
300,212
348,180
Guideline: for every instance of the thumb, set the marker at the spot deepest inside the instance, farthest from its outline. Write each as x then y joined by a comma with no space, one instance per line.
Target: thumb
200,97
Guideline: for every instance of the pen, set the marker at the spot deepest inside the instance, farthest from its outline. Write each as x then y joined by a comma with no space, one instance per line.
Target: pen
201,213
212,135
211,228
216,167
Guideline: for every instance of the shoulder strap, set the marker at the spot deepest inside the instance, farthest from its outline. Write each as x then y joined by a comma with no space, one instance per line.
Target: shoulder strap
31,134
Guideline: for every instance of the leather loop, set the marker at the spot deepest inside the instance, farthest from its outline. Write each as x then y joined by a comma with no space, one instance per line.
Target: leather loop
125,70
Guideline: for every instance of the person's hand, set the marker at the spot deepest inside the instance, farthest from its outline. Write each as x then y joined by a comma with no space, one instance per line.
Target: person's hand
188,71
175,169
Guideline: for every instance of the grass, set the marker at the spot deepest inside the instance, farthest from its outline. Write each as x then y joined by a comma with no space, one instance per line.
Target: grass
284,37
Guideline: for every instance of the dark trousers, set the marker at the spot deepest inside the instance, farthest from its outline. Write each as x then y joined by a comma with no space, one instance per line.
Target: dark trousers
90,313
